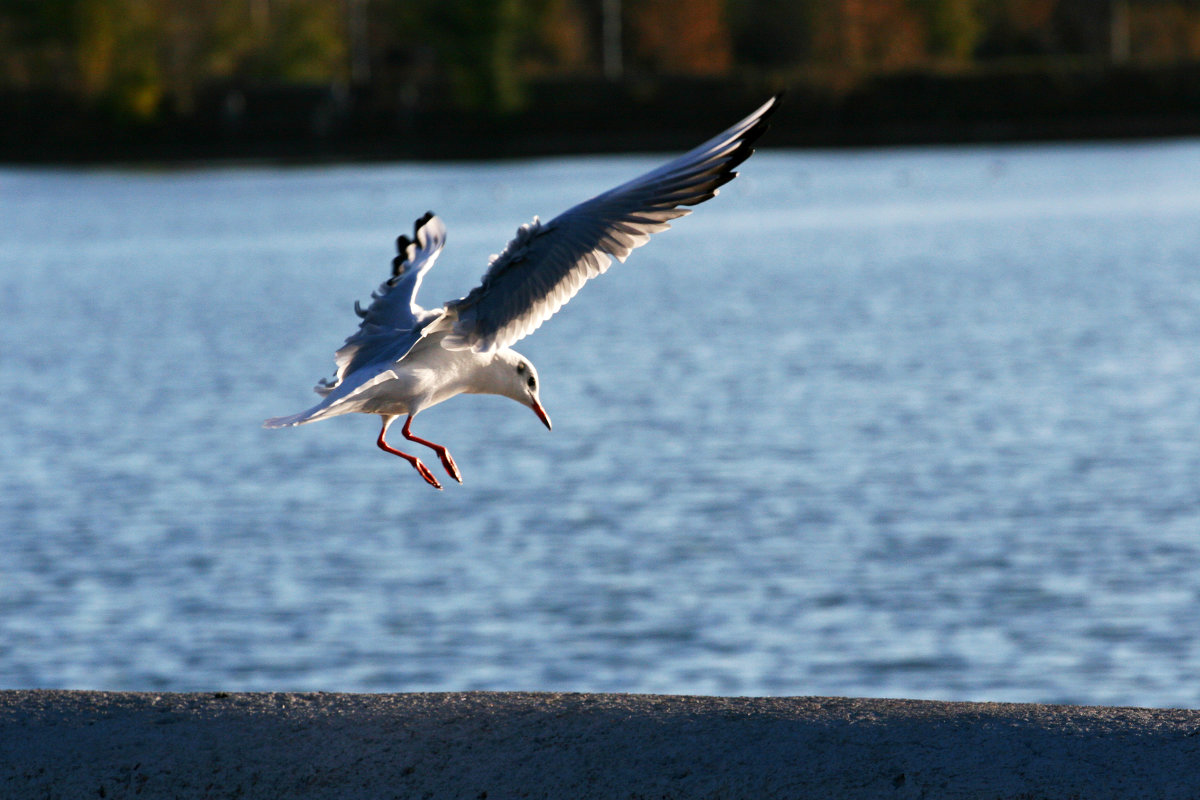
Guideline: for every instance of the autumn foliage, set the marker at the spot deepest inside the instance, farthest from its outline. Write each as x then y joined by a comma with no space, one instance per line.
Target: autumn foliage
138,57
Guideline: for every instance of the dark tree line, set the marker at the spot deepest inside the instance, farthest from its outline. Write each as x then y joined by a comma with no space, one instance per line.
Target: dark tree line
138,56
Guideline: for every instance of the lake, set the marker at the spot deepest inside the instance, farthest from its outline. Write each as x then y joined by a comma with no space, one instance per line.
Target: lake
898,423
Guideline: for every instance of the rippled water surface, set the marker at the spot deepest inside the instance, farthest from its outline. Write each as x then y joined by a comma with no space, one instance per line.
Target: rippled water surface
917,423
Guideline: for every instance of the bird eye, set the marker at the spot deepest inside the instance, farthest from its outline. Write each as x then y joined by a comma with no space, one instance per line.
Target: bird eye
532,382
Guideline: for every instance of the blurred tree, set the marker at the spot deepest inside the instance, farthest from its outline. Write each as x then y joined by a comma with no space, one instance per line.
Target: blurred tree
478,44
954,27
1018,28
132,55
669,36
301,41
1164,31
129,54
116,54
563,40
35,48
1083,27
870,34
772,33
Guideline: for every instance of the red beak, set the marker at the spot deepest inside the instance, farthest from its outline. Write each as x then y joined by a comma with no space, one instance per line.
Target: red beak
541,412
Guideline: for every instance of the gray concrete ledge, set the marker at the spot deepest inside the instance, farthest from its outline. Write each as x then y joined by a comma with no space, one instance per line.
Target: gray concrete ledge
497,745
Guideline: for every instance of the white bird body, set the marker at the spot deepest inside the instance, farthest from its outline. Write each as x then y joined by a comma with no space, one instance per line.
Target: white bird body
429,374
404,358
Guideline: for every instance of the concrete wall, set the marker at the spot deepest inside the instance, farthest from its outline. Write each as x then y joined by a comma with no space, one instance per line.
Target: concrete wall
489,746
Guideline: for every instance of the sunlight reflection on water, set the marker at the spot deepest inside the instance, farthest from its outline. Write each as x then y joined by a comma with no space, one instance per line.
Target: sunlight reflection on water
896,423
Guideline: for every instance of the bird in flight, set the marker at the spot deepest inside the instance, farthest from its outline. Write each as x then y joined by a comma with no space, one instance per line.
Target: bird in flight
404,358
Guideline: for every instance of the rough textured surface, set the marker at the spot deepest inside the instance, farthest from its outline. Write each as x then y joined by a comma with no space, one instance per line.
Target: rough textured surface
58,744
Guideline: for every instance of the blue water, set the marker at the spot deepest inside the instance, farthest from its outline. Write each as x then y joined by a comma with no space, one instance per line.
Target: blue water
919,423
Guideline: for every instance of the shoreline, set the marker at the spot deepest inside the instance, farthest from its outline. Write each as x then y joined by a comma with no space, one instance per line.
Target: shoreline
521,744
1063,100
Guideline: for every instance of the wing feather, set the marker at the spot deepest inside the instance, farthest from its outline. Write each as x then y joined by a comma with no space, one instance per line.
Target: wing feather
392,324
546,264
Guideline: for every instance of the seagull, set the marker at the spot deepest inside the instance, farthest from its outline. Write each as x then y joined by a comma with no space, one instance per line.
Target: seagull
404,358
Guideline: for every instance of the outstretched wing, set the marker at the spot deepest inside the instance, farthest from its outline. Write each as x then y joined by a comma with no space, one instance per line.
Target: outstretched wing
546,264
392,324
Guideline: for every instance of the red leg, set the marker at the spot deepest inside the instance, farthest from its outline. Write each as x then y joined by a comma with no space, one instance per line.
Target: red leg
416,462
443,453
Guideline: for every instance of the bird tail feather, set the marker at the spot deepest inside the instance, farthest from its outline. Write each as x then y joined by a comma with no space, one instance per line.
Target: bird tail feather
290,421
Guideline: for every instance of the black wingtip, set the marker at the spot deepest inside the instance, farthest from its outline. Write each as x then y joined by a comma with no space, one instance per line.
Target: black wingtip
764,121
403,242
401,259
746,146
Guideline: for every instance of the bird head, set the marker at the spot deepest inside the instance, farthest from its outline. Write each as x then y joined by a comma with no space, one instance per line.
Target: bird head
521,383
